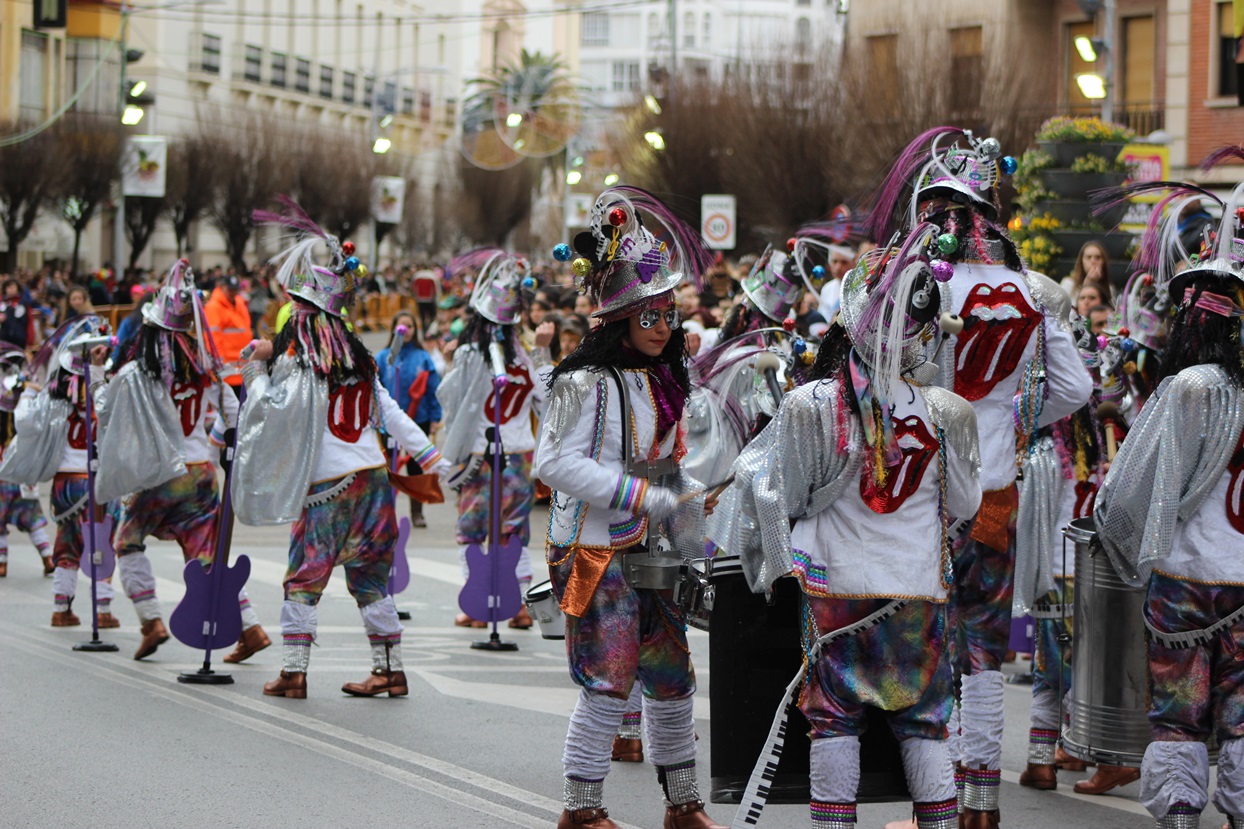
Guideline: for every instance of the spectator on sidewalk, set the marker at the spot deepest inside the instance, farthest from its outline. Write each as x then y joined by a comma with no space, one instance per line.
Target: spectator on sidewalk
230,322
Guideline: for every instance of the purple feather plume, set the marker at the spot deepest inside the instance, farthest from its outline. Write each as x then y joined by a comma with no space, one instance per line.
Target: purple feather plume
881,221
1218,156
471,260
292,217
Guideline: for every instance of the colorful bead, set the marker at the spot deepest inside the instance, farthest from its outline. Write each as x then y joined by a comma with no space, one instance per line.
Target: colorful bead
818,273
947,243
943,271
1102,342
529,282
562,252
617,217
581,267
1009,165
347,248
790,245
352,264
799,346
788,324
1128,345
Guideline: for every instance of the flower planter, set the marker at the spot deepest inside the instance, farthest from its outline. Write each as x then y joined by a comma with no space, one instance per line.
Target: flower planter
1115,243
1065,153
1079,212
1069,185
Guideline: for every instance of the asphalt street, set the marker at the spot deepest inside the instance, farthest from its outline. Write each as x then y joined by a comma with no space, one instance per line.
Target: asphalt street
100,740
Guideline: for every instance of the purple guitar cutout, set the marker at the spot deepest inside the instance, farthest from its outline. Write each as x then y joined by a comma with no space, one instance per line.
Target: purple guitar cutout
399,573
105,558
487,597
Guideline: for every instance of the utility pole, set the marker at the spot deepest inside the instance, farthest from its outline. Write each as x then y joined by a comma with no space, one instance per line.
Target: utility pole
118,229
1108,24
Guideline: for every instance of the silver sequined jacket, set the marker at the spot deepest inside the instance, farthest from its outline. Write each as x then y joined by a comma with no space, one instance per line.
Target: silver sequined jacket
1174,456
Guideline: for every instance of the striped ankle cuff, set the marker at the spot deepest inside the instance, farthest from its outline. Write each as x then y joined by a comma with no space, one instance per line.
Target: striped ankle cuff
1041,745
980,789
1181,816
832,815
941,815
632,725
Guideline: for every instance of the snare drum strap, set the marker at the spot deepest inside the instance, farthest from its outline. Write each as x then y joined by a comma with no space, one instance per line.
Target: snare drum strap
1192,638
757,792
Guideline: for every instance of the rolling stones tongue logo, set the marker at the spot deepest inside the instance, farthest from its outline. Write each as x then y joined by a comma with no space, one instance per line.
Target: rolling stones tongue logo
77,428
903,478
1235,492
997,324
512,396
188,397
349,409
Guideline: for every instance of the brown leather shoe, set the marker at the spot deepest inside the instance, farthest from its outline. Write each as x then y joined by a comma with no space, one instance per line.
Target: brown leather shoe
107,620
628,750
464,621
522,620
1066,762
251,642
49,566
689,816
64,619
978,819
1106,778
597,818
291,685
1041,776
154,635
380,682
4,569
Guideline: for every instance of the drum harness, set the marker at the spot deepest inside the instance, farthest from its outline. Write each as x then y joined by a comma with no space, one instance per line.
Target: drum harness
756,794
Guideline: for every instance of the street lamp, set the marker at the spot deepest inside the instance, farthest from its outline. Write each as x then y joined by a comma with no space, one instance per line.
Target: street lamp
611,179
381,146
1092,85
514,119
574,177
132,115
655,140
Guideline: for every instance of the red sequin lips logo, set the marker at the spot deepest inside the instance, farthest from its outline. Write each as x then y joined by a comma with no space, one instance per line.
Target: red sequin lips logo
188,397
349,409
903,478
513,395
997,324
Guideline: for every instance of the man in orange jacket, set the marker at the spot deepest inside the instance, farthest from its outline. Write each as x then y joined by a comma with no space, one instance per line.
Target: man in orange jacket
230,321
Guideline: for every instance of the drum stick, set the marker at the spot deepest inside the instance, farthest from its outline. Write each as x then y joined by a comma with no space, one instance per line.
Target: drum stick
711,491
1108,412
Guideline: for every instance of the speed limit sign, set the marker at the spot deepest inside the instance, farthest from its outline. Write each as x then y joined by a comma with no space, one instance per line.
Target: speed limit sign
717,225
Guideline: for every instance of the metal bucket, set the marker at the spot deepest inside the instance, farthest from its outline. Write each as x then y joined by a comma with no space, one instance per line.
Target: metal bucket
1109,659
543,606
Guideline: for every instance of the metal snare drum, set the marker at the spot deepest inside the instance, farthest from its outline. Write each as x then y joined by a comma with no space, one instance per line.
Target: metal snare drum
543,606
652,571
1109,659
695,593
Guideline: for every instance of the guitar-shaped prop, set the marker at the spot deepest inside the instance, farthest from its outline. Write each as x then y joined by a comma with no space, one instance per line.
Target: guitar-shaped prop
399,574
491,592
98,548
209,616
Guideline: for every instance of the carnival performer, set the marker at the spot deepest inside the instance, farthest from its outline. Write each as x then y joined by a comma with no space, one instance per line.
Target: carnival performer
609,447
410,377
1016,362
1170,515
309,451
853,489
19,504
51,444
467,400
1059,481
164,416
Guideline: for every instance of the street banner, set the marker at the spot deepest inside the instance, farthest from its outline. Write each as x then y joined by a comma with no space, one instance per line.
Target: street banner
143,167
388,199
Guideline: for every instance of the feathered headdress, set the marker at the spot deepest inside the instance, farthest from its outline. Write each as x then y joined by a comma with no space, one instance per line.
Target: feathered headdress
621,265
330,286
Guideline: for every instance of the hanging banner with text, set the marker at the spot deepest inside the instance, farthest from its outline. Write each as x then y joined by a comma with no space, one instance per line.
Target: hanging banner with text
143,166
388,199
717,224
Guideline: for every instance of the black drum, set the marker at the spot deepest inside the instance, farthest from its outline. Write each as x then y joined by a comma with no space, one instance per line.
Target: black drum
755,648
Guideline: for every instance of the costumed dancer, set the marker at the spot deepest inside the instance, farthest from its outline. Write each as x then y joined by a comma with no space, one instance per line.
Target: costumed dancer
163,418
19,504
309,451
467,400
1059,480
852,489
50,421
1018,366
610,447
1170,514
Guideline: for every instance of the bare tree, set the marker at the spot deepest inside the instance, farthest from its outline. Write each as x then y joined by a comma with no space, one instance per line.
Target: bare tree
91,147
332,176
253,166
493,203
190,189
142,213
28,177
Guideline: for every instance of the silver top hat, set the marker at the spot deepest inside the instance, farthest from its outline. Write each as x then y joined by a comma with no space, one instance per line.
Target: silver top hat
173,306
774,284
964,174
498,295
71,358
318,267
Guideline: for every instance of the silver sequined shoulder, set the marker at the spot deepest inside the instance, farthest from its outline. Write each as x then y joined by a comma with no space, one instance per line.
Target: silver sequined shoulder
957,420
1051,297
